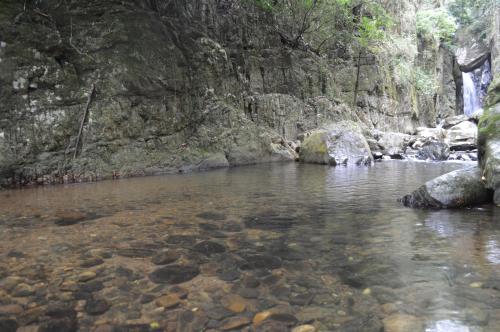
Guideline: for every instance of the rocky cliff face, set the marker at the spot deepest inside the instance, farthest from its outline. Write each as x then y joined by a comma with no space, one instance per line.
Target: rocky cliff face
489,125
99,89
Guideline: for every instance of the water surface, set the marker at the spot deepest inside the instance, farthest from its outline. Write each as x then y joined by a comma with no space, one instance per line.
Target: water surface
307,244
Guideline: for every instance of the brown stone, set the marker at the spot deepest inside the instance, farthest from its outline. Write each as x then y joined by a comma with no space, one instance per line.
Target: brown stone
12,309
260,317
402,323
234,303
234,323
168,301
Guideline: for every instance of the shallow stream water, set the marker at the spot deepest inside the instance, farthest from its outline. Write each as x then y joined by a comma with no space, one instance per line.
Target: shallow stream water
299,244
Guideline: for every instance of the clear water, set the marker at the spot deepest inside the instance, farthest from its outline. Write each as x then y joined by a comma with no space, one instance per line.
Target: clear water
326,246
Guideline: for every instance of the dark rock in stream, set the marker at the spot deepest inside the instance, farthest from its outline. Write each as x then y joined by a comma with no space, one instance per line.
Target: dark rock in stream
95,307
461,188
209,248
174,274
261,261
209,215
434,151
165,257
268,222
8,325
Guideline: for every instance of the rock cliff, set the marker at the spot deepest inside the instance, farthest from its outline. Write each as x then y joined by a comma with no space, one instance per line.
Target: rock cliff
100,89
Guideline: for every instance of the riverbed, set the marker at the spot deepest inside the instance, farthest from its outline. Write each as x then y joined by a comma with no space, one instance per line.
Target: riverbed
257,248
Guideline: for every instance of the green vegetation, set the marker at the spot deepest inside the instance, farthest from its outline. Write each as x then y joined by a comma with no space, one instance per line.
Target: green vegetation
319,25
465,11
436,23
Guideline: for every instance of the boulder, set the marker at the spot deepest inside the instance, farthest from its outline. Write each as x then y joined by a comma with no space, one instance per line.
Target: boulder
433,150
431,133
489,149
472,51
394,143
336,144
454,120
462,136
460,188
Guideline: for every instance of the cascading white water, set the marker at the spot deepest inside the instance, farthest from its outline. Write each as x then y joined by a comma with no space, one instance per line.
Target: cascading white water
475,87
471,95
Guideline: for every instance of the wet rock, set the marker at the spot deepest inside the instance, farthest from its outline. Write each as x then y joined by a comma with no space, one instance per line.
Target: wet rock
10,309
174,274
249,293
261,261
62,325
218,313
434,151
251,282
8,325
91,286
86,276
234,323
336,144
234,303
272,326
91,262
168,301
312,313
134,252
260,317
68,218
269,222
402,323
456,189
210,215
181,240
15,254
302,299
285,318
476,316
209,248
96,307
367,323
304,328
22,290
131,275
165,257
147,298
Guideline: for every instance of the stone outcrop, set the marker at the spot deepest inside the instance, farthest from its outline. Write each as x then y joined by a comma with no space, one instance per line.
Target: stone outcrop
457,189
195,85
489,124
341,143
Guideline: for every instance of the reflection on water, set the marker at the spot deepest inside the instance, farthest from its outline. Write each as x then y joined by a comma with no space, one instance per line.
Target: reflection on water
300,244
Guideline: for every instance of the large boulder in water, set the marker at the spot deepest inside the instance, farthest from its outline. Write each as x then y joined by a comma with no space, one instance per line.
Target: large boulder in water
434,151
336,144
461,188
394,143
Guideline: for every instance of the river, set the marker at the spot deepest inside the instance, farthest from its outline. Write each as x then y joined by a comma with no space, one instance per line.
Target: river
302,244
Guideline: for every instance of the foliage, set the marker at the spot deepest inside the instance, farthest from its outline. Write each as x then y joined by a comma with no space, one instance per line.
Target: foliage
321,24
373,28
436,23
425,82
465,11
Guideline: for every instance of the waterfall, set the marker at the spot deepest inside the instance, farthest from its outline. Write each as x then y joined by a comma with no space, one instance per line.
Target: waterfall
471,97
475,87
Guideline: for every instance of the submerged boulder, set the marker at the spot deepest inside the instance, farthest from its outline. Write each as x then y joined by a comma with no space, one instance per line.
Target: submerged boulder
336,144
460,188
